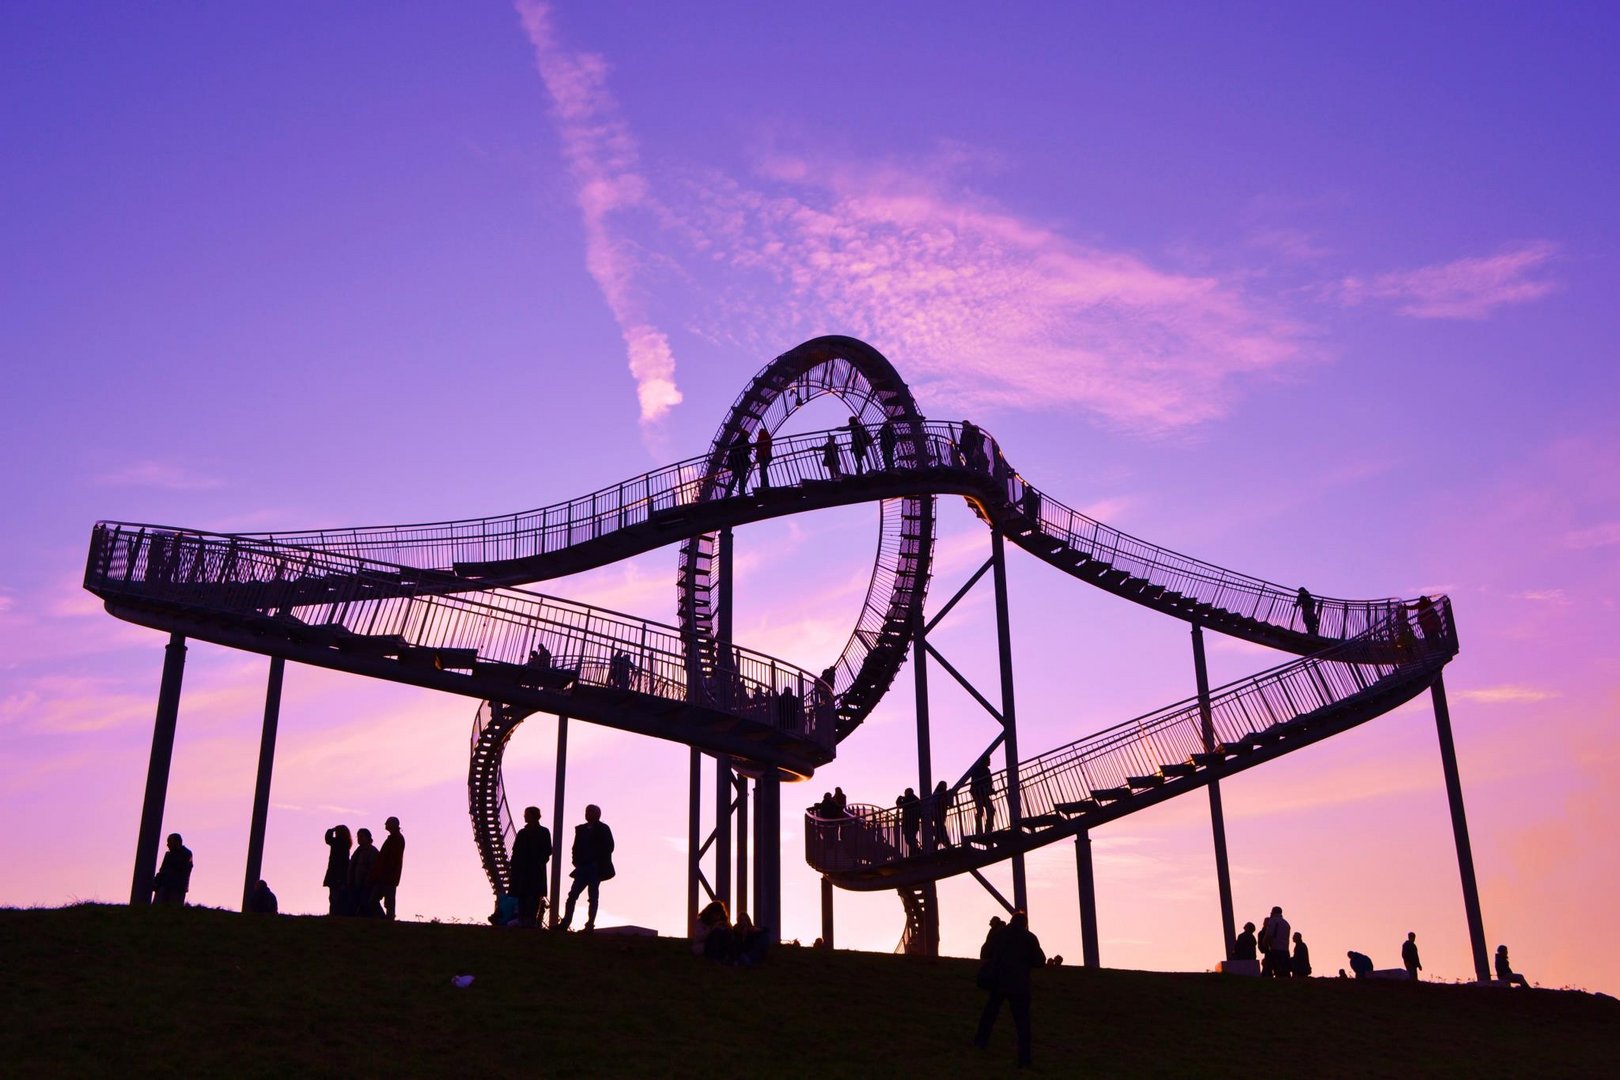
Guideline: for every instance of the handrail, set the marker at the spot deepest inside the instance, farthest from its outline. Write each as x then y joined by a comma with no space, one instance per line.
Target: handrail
1408,644
797,460
317,593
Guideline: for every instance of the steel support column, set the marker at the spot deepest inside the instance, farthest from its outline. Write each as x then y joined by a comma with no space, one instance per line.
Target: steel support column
1459,829
694,827
722,763
1088,899
1217,818
767,854
1009,714
742,846
157,771
826,913
261,789
560,783
925,781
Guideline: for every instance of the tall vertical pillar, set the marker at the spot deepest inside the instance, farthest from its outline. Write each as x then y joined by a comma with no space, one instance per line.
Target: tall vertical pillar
1009,713
157,771
742,846
767,853
1088,899
1459,829
694,826
261,789
826,913
558,828
1217,818
722,764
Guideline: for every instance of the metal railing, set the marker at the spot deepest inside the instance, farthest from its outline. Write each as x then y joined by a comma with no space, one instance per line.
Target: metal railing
801,459
1411,645
353,603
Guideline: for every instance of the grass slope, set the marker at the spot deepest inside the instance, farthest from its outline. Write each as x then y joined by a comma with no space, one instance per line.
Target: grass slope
95,990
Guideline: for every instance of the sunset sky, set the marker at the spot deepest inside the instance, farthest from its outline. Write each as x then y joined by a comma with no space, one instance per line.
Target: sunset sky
1324,295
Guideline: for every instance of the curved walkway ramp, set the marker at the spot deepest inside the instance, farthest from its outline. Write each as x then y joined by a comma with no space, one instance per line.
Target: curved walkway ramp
1138,763
507,645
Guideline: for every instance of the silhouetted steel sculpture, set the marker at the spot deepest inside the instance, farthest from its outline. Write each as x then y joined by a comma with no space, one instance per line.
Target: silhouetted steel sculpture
440,605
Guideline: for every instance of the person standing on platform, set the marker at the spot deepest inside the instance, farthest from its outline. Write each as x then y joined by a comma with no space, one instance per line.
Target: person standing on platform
173,879
887,442
338,843
762,456
982,787
829,459
1307,610
940,812
593,864
910,819
1009,955
1409,956
860,443
531,850
739,462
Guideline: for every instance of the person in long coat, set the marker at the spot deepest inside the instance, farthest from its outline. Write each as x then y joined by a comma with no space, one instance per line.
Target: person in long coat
593,864
362,899
1009,955
531,850
173,879
390,864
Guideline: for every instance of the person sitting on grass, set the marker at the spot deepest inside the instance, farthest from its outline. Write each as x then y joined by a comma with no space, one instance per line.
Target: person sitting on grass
1504,970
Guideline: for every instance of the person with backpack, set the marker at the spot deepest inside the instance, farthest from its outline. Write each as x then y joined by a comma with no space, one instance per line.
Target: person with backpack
593,864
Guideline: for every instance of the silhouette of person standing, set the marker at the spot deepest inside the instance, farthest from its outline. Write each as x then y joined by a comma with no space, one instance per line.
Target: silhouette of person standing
860,443
593,864
762,456
338,843
910,819
1307,610
531,850
362,897
982,788
1274,941
390,862
829,458
940,812
1409,956
1301,962
887,443
173,879
739,462
1009,954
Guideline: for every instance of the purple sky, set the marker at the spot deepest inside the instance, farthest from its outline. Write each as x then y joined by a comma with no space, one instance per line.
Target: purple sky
1318,296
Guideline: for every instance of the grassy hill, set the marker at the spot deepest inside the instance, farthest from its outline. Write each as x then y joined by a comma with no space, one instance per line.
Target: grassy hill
93,990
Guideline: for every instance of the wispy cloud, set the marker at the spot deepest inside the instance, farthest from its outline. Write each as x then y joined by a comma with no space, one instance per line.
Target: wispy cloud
158,474
1507,695
982,307
1544,596
604,160
1604,535
1471,288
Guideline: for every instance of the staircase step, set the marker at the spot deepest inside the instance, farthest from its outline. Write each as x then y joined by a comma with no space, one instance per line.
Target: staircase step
1111,794
1206,760
1040,821
1140,782
1178,768
1079,806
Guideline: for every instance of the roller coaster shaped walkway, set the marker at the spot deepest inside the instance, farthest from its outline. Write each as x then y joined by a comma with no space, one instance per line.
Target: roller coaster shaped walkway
440,606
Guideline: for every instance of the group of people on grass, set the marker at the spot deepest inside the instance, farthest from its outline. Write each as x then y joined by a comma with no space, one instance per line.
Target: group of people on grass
1279,957
715,937
592,855
362,879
